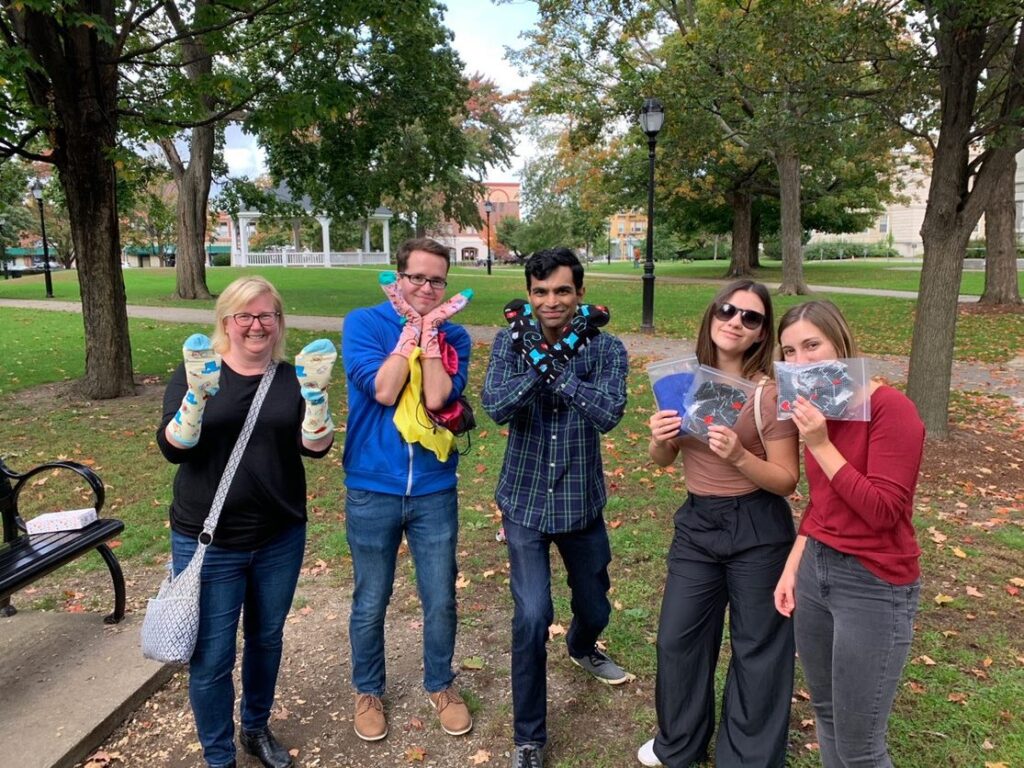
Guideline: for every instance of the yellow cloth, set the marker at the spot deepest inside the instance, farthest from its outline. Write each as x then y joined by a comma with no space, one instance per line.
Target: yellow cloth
411,418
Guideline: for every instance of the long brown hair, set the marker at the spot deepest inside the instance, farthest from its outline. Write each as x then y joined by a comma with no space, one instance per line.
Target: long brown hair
826,317
757,360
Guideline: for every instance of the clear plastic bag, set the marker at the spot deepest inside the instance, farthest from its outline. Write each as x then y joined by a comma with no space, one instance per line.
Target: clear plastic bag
715,398
838,388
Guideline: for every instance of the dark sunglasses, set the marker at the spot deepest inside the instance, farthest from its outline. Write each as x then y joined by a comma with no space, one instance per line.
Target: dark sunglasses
751,320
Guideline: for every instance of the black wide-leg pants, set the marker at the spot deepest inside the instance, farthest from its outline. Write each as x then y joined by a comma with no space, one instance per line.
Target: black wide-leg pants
727,551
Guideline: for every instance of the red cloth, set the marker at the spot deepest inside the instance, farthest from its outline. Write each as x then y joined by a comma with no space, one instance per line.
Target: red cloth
866,509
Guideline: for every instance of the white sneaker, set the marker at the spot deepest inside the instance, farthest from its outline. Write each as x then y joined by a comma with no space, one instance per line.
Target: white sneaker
646,754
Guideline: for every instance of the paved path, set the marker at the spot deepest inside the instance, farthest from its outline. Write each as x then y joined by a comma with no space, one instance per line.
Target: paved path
998,378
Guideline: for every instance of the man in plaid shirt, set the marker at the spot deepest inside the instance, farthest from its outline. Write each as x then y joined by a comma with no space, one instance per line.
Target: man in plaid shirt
559,384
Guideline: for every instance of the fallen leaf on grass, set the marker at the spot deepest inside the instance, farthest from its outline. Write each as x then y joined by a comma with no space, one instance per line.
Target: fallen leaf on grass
481,756
807,722
462,582
936,535
959,552
415,723
415,754
473,662
928,661
812,746
987,745
1017,582
941,599
555,630
957,698
997,765
972,591
916,687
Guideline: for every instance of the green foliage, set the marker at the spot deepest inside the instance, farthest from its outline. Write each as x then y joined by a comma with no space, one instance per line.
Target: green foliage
828,251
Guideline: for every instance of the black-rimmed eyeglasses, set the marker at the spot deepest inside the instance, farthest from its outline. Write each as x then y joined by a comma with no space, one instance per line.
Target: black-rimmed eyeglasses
435,282
246,319
751,320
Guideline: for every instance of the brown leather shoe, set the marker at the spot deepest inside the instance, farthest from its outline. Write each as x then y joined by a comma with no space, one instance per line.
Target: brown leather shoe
370,723
452,712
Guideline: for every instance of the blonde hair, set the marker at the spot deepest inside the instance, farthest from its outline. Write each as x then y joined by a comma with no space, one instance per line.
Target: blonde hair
826,317
235,298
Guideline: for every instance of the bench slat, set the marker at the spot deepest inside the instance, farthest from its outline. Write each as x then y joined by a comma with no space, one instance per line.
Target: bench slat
31,557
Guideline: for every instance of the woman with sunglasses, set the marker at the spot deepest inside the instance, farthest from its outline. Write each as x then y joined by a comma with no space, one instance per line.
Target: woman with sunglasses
252,565
732,537
852,582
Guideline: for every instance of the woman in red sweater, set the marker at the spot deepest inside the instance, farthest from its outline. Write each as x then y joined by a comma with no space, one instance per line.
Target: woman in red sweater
852,580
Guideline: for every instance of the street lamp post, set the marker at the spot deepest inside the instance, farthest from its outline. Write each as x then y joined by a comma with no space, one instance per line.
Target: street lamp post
37,193
609,242
3,250
488,208
652,117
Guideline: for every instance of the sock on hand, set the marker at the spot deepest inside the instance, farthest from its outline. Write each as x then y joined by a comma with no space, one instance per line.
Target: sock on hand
313,367
434,319
527,339
202,374
409,339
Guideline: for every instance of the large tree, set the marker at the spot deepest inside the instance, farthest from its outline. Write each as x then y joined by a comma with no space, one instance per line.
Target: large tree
980,110
744,84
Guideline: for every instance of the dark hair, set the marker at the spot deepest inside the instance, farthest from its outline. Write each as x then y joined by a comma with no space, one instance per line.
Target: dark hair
542,263
428,244
758,359
826,317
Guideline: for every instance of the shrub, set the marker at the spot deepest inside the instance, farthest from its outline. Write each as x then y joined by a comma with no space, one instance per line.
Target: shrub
222,259
833,251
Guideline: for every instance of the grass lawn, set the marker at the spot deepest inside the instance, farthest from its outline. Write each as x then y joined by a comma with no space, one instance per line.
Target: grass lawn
959,704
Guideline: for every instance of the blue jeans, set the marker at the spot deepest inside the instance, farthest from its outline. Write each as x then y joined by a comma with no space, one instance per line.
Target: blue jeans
263,582
375,523
586,555
853,633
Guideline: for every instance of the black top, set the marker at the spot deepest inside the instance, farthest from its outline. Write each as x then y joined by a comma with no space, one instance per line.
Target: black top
268,492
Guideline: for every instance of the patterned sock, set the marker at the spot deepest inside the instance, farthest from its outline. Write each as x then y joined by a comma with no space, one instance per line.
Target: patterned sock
433,320
413,327
313,367
202,374
527,339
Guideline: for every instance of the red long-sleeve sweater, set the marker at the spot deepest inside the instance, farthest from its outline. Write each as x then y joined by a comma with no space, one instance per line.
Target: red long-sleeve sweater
866,509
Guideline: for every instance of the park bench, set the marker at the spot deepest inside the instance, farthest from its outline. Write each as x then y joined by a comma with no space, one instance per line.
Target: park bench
26,557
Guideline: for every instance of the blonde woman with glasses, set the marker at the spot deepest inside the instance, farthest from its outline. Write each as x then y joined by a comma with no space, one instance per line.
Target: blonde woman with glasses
252,565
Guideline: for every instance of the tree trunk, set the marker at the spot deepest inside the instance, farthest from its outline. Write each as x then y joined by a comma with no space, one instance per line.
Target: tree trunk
742,212
1001,286
193,196
81,95
755,238
788,165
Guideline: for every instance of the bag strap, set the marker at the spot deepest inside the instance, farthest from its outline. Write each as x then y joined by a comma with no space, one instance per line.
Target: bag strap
758,418
236,454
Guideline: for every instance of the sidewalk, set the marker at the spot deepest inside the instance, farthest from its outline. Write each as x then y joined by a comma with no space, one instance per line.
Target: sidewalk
1002,379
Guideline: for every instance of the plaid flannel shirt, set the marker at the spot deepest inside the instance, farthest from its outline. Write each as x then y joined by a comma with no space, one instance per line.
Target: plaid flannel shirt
552,479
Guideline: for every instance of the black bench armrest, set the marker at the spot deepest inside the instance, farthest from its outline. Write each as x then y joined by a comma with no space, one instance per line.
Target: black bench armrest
13,525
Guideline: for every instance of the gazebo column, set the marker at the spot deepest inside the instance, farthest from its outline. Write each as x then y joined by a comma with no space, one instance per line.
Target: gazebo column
325,232
243,231
387,237
366,239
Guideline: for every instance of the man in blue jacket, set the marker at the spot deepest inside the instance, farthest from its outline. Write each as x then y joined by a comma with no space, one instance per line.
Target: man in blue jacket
559,384
396,487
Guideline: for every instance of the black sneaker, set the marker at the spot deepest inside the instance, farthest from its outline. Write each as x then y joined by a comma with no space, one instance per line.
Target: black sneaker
601,667
528,756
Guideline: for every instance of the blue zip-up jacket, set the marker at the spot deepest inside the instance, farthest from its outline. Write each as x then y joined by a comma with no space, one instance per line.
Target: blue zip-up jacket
376,458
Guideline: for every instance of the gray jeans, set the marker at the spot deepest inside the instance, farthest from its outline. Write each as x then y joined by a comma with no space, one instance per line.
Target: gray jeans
853,633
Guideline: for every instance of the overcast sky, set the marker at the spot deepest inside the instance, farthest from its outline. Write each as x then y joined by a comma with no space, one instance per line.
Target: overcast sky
482,31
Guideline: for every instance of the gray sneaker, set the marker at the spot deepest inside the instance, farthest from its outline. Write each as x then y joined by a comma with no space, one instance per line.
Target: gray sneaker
528,756
601,667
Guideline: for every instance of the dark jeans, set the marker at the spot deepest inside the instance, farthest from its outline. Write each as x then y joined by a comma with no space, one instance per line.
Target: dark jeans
727,551
263,584
853,633
586,555
375,523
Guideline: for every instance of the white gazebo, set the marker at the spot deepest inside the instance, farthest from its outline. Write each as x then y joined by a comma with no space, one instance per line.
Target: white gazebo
291,256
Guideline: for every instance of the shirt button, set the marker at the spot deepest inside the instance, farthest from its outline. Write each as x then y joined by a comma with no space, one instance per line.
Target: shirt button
554,437
552,464
551,490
